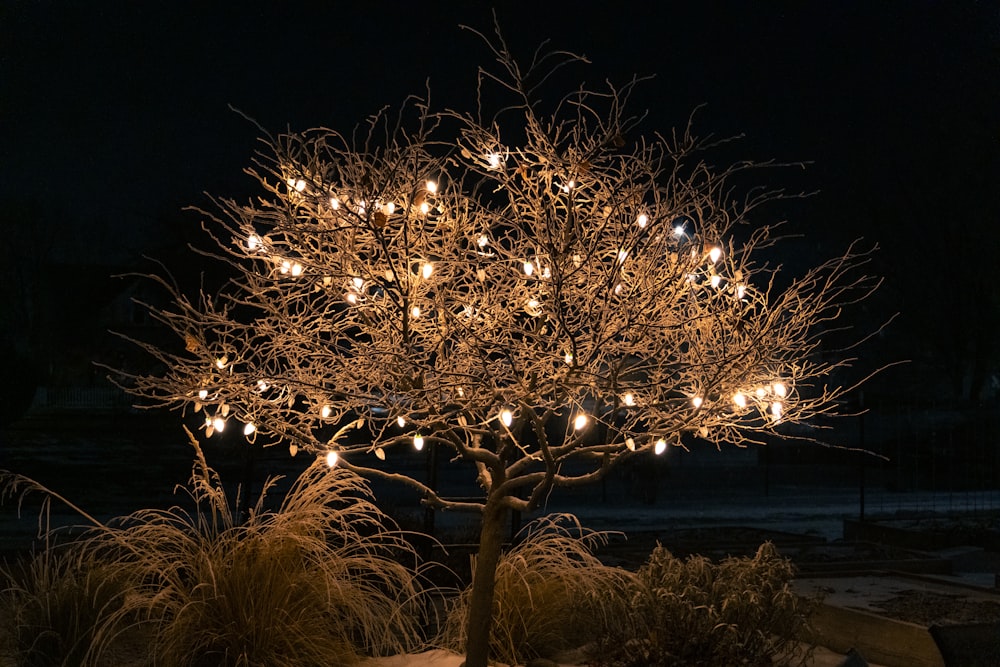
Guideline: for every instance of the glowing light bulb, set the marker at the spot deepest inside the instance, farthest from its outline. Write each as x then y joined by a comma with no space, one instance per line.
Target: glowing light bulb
262,386
249,428
221,362
533,307
777,409
779,389
426,270
581,421
568,358
622,256
389,208
299,185
642,220
760,392
629,399
529,268
697,401
358,282
351,298
418,442
483,241
660,446
297,270
219,424
253,242
331,458
714,254
425,208
569,186
334,203
679,230
203,394
415,312
741,291
401,421
716,280
630,443
740,400
506,417
325,412
432,187
493,159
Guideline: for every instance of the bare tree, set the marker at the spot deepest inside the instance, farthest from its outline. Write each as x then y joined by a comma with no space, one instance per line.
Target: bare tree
525,289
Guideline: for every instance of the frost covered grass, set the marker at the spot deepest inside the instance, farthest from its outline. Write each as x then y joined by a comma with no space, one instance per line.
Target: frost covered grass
323,580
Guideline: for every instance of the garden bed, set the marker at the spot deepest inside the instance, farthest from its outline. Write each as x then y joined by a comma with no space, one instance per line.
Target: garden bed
904,620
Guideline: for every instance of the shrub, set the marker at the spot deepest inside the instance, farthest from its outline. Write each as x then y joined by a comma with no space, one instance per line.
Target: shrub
694,612
551,594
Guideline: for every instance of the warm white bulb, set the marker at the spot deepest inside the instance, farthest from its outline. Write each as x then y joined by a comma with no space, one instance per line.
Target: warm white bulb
660,446
740,400
426,270
716,280
203,394
529,268
568,358
679,230
642,220
483,241
580,422
432,186
418,442
780,389
221,362
358,282
415,312
741,291
389,208
300,185
622,256
533,307
401,421
697,401
506,417
425,208
351,298
630,443
777,408
714,254
325,412
334,203
219,424
253,242
629,399
331,458
249,428
297,270
493,159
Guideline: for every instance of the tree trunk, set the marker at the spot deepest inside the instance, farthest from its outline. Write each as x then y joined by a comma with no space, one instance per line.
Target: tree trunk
480,621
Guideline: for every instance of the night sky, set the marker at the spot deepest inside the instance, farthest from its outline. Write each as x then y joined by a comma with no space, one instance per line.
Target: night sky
116,115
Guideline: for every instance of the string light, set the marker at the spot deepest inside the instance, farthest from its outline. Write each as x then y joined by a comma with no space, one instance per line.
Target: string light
529,269
493,159
325,412
581,421
432,187
415,312
401,421
331,458
740,400
630,444
506,417
629,399
219,424
642,220
697,401
418,442
779,389
659,446
714,254
426,270
203,394
249,428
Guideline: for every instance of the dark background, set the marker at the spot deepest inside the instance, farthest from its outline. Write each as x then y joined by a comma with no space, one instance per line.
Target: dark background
116,115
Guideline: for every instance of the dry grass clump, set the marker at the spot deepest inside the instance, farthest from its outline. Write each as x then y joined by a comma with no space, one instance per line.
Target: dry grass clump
552,593
321,581
697,613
